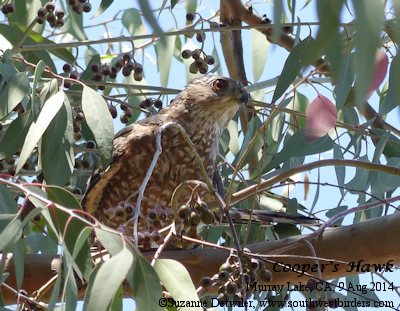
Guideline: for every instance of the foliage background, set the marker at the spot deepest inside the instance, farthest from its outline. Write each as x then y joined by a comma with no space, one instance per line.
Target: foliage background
357,135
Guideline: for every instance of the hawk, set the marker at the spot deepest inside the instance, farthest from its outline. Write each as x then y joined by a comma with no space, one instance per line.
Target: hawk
203,110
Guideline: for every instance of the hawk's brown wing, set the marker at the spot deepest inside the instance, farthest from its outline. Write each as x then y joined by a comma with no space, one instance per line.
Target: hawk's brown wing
135,138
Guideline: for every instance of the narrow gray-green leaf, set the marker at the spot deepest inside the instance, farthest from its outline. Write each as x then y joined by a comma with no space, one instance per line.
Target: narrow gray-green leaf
146,285
49,110
259,52
165,51
177,281
111,241
13,139
368,25
99,120
11,233
103,6
291,68
41,65
15,90
111,273
392,98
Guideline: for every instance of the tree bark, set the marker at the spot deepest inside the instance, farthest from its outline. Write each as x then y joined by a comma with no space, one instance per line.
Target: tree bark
374,241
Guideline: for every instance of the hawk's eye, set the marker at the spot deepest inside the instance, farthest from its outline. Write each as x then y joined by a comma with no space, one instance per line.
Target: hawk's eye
219,84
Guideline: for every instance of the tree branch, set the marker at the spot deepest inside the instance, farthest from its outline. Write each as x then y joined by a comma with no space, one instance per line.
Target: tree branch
340,245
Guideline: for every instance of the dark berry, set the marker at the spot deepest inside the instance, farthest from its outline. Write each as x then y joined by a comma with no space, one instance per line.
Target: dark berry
67,84
123,118
158,103
200,36
206,282
97,77
82,1
87,7
51,18
113,111
119,63
67,68
128,113
41,13
194,219
184,212
189,17
127,57
113,75
10,8
80,117
223,276
40,21
71,2
196,54
60,23
74,75
186,54
199,63
265,276
95,67
232,288
193,68
207,217
203,70
4,9
106,70
49,7
137,68
126,71
209,60
138,76
90,144
148,102
77,9
59,13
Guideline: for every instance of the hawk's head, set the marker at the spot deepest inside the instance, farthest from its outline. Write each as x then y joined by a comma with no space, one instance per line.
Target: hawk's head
212,99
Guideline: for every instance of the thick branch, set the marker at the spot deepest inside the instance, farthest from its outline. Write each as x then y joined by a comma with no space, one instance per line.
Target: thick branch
345,244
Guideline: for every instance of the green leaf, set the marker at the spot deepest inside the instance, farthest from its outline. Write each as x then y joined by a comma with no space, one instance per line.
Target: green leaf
14,137
177,281
259,53
99,121
145,284
11,233
111,273
117,302
103,6
74,26
165,50
36,130
132,21
18,259
360,181
340,170
173,3
111,241
16,89
392,98
368,24
292,67
329,19
41,65
56,149
147,12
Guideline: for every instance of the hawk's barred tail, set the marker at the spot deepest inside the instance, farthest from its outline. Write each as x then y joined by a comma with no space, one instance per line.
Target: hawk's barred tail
268,217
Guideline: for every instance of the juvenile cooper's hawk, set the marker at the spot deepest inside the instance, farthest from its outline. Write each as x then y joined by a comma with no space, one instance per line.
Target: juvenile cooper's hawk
203,109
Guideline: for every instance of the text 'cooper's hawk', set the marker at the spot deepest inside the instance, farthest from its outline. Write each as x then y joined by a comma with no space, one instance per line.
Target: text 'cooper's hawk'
203,109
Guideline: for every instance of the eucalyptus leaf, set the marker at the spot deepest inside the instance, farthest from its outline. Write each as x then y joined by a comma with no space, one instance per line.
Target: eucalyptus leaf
99,121
112,272
36,130
177,281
